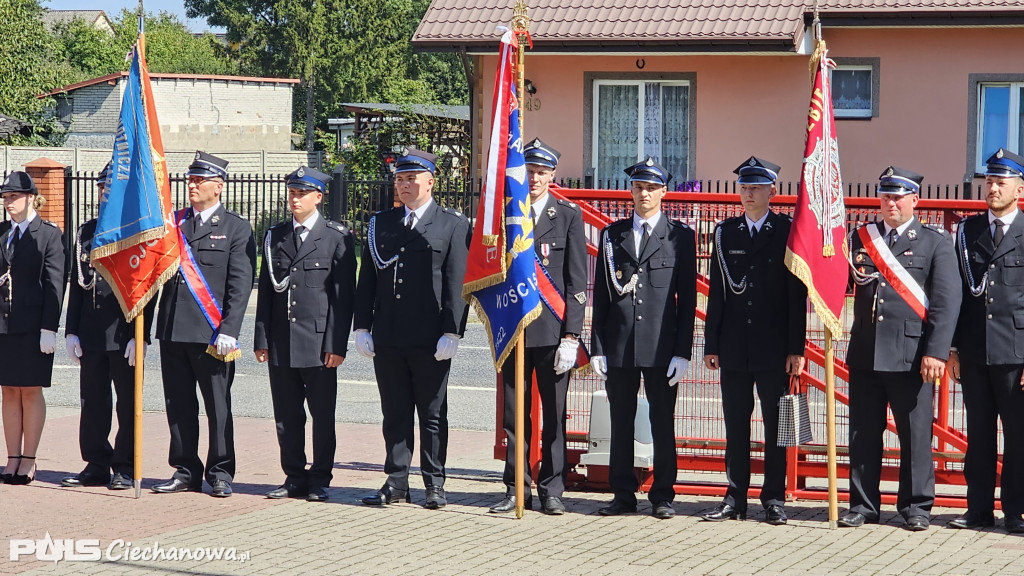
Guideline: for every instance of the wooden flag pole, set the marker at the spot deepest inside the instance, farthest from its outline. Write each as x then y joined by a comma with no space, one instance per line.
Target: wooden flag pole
830,417
521,25
140,344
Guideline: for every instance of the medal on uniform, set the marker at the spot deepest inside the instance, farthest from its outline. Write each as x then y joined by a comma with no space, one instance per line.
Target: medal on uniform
545,251
618,274
859,258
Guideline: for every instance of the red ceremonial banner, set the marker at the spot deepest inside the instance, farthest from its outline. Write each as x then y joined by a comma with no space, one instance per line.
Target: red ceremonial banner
817,252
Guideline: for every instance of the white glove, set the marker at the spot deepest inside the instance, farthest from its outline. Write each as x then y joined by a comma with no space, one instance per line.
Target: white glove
364,343
600,366
129,351
225,344
47,341
447,344
74,346
676,369
565,356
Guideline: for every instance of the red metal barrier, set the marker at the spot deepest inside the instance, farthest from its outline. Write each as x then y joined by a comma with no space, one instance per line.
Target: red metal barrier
700,428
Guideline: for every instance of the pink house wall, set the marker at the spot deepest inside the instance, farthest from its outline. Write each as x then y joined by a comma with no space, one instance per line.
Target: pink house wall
753,104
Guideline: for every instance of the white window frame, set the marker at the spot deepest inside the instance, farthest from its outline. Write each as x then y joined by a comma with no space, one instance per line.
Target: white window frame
641,101
1013,127
863,112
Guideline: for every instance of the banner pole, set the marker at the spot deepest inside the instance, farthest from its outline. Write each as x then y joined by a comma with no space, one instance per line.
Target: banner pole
830,417
140,344
521,26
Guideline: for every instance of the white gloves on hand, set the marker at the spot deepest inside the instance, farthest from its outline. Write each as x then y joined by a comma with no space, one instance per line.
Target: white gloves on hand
225,344
47,341
600,366
74,346
565,356
129,351
364,343
676,369
447,345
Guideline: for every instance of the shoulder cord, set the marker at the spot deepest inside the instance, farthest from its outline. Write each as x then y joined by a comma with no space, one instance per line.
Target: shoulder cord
372,239
961,241
631,285
91,284
739,288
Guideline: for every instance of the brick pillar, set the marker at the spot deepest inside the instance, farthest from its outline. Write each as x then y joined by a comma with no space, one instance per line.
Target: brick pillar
49,177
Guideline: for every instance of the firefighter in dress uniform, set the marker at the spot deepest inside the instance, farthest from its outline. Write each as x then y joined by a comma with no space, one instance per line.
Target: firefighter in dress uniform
551,341
906,303
644,307
307,287
409,317
755,333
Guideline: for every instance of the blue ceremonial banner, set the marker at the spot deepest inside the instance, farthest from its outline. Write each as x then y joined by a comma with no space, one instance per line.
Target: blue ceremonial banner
508,306
130,208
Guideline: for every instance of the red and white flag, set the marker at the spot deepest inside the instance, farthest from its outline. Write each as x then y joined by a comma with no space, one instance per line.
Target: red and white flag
817,252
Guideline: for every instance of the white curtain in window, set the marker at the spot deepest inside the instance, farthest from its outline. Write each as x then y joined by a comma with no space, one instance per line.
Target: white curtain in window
675,130
617,129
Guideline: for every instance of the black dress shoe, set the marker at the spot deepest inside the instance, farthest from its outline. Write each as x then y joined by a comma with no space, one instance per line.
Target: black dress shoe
435,498
775,515
663,510
121,482
318,494
916,523
221,489
855,520
971,520
387,495
724,512
552,505
508,504
86,478
617,507
1014,524
287,491
176,485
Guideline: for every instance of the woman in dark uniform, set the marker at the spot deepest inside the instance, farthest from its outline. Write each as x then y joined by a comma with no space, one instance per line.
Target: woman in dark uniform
32,255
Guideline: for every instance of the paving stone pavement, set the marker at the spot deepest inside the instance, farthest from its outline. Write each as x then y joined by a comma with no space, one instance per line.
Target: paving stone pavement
343,536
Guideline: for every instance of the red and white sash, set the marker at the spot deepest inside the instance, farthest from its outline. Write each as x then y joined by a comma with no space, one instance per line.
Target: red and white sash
891,269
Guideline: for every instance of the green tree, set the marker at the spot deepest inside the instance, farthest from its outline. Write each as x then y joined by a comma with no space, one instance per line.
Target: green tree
28,49
87,52
341,50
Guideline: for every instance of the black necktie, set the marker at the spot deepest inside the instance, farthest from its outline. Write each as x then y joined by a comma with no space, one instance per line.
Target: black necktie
753,233
410,220
893,236
643,240
15,236
997,236
297,236
197,222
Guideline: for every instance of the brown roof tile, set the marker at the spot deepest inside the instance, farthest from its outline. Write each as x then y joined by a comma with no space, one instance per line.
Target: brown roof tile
556,23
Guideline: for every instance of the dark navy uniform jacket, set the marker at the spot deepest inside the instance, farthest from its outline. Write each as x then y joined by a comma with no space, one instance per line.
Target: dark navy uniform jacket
887,335
322,282
418,297
95,315
991,325
38,275
225,250
558,238
648,328
756,329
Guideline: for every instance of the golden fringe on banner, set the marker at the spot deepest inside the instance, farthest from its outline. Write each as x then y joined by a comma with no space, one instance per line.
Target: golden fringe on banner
130,314
527,318
141,237
799,268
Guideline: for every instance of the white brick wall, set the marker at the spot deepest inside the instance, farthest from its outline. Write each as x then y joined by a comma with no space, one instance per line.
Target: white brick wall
215,115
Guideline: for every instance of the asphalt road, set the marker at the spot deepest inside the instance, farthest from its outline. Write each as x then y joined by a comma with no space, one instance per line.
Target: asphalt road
471,386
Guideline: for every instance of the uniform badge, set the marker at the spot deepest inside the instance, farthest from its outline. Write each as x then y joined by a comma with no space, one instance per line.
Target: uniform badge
912,234
859,258
889,172
908,253
618,274
580,297
650,162
551,211
999,153
215,219
301,172
752,162
198,155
